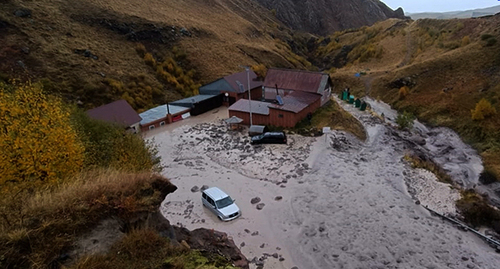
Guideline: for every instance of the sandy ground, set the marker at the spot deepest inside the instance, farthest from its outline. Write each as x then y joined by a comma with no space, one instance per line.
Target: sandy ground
329,202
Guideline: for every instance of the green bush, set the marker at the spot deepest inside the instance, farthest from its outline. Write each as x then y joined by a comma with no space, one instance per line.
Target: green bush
405,120
486,36
490,42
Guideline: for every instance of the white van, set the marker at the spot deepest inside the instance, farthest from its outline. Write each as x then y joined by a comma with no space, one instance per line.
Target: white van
220,203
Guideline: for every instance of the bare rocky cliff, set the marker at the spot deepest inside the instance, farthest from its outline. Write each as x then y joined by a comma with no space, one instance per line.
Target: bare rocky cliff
327,16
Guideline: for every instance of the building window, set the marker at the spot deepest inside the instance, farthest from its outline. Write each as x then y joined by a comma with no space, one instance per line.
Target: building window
162,123
151,127
280,115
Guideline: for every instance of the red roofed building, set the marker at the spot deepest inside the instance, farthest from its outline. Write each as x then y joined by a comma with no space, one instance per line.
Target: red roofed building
300,93
119,112
284,81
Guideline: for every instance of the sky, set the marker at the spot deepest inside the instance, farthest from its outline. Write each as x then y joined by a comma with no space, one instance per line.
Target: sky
413,6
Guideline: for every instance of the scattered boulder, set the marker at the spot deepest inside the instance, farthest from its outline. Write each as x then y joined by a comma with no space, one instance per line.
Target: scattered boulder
195,189
263,245
278,198
242,244
418,140
255,200
23,13
260,206
204,187
87,53
255,233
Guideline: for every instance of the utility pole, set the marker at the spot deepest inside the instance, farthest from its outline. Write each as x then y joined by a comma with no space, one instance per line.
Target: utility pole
249,93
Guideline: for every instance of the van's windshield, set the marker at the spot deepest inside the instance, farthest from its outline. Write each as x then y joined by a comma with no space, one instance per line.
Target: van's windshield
224,202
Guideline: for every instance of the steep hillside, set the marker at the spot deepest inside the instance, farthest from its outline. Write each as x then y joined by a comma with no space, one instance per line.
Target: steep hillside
327,16
92,52
437,69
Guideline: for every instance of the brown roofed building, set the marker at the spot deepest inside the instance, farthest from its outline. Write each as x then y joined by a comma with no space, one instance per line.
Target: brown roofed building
118,112
295,107
235,86
284,81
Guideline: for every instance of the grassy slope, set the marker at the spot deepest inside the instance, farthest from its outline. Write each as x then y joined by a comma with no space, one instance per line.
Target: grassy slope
37,228
450,76
225,35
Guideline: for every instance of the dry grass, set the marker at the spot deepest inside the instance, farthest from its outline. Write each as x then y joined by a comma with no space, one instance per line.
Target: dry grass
477,212
37,226
333,116
429,165
225,35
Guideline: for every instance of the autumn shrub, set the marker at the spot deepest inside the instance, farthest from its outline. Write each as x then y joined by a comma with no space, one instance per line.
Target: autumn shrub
38,145
403,92
465,41
149,60
139,92
260,70
140,49
107,145
483,110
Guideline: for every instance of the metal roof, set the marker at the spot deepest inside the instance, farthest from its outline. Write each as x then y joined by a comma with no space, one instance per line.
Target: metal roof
298,80
216,87
215,193
119,112
229,83
296,101
187,102
242,78
160,112
258,107
233,120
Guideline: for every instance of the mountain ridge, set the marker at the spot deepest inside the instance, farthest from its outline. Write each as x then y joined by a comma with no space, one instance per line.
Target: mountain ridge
327,16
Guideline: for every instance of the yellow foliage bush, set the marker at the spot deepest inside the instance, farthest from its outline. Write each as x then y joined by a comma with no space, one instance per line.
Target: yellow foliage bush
403,92
483,110
465,41
149,59
140,49
37,142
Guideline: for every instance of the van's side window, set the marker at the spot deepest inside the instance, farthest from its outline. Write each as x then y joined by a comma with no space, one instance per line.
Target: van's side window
204,196
211,201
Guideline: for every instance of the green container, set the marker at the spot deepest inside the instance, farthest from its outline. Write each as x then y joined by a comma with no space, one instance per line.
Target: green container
344,95
363,106
357,103
341,95
351,99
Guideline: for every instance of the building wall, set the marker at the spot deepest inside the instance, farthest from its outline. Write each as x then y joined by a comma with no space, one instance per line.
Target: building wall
166,120
156,124
135,128
287,119
257,119
256,94
326,94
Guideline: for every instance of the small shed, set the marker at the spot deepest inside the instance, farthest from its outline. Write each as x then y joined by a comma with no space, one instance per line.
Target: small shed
234,122
257,130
